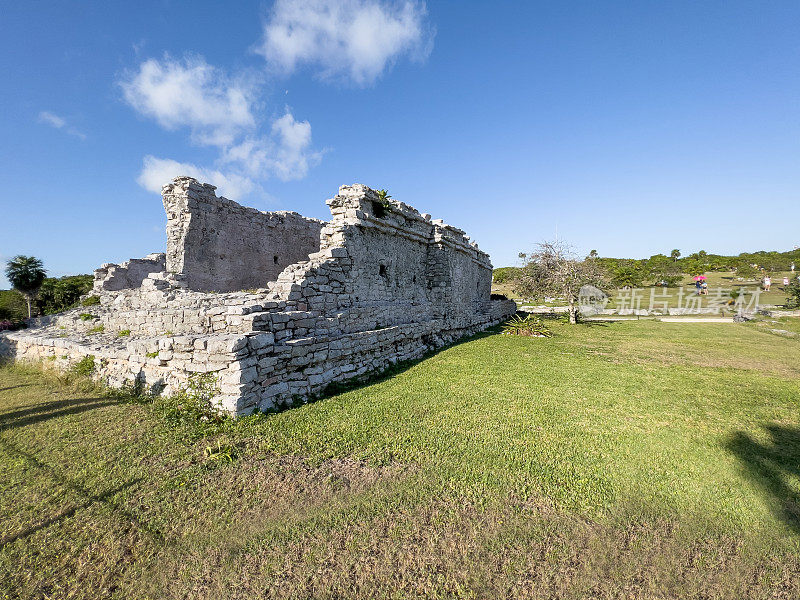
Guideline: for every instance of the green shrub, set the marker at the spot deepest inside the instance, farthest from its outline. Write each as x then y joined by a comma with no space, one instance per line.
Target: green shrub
124,333
152,354
12,306
382,207
61,293
793,292
628,276
195,403
670,280
531,326
222,451
746,271
90,301
86,317
99,329
84,367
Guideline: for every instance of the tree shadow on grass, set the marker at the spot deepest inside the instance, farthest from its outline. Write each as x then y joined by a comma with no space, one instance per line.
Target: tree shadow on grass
89,498
64,514
13,387
770,465
591,323
51,410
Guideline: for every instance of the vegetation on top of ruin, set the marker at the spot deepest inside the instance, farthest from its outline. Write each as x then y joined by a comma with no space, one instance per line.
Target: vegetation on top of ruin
382,206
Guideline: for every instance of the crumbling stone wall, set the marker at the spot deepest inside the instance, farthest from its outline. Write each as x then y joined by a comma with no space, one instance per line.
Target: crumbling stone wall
386,284
219,245
111,277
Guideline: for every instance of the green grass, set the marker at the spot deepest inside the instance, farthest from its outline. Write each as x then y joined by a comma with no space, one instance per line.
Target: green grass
639,458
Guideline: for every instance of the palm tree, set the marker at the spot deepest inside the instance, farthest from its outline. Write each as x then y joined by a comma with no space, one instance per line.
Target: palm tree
26,274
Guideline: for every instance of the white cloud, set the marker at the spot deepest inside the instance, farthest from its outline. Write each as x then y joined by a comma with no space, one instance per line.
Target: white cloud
219,111
293,155
356,38
52,119
57,122
191,93
286,153
159,171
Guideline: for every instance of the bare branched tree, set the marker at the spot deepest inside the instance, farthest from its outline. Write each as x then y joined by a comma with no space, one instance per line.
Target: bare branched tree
556,270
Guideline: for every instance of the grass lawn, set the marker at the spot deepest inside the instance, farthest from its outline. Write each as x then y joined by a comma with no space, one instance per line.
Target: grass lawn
629,459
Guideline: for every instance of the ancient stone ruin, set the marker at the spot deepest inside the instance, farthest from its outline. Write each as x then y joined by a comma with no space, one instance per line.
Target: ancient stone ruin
274,306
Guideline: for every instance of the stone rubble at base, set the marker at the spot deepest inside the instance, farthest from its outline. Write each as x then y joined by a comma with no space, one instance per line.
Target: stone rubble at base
377,284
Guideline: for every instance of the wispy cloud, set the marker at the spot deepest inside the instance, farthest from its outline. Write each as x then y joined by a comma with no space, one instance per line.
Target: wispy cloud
191,93
53,120
158,171
286,153
220,111
356,39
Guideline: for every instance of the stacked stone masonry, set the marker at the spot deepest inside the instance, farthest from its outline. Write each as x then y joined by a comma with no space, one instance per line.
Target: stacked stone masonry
377,284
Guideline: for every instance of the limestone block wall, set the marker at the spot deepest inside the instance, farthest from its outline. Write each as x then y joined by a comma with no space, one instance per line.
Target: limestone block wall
390,261
383,284
162,364
219,245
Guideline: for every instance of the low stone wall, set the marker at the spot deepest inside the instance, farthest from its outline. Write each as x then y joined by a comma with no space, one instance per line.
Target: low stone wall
162,364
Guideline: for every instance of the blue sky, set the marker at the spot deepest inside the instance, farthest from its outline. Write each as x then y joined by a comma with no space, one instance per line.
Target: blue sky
632,128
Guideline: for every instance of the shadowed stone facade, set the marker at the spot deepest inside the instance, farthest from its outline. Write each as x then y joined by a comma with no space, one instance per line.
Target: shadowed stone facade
221,246
377,284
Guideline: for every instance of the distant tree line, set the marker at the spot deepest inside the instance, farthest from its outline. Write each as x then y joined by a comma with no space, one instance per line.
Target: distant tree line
669,270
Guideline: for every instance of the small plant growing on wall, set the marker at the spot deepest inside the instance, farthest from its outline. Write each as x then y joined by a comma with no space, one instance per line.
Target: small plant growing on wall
382,206
90,301
198,398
